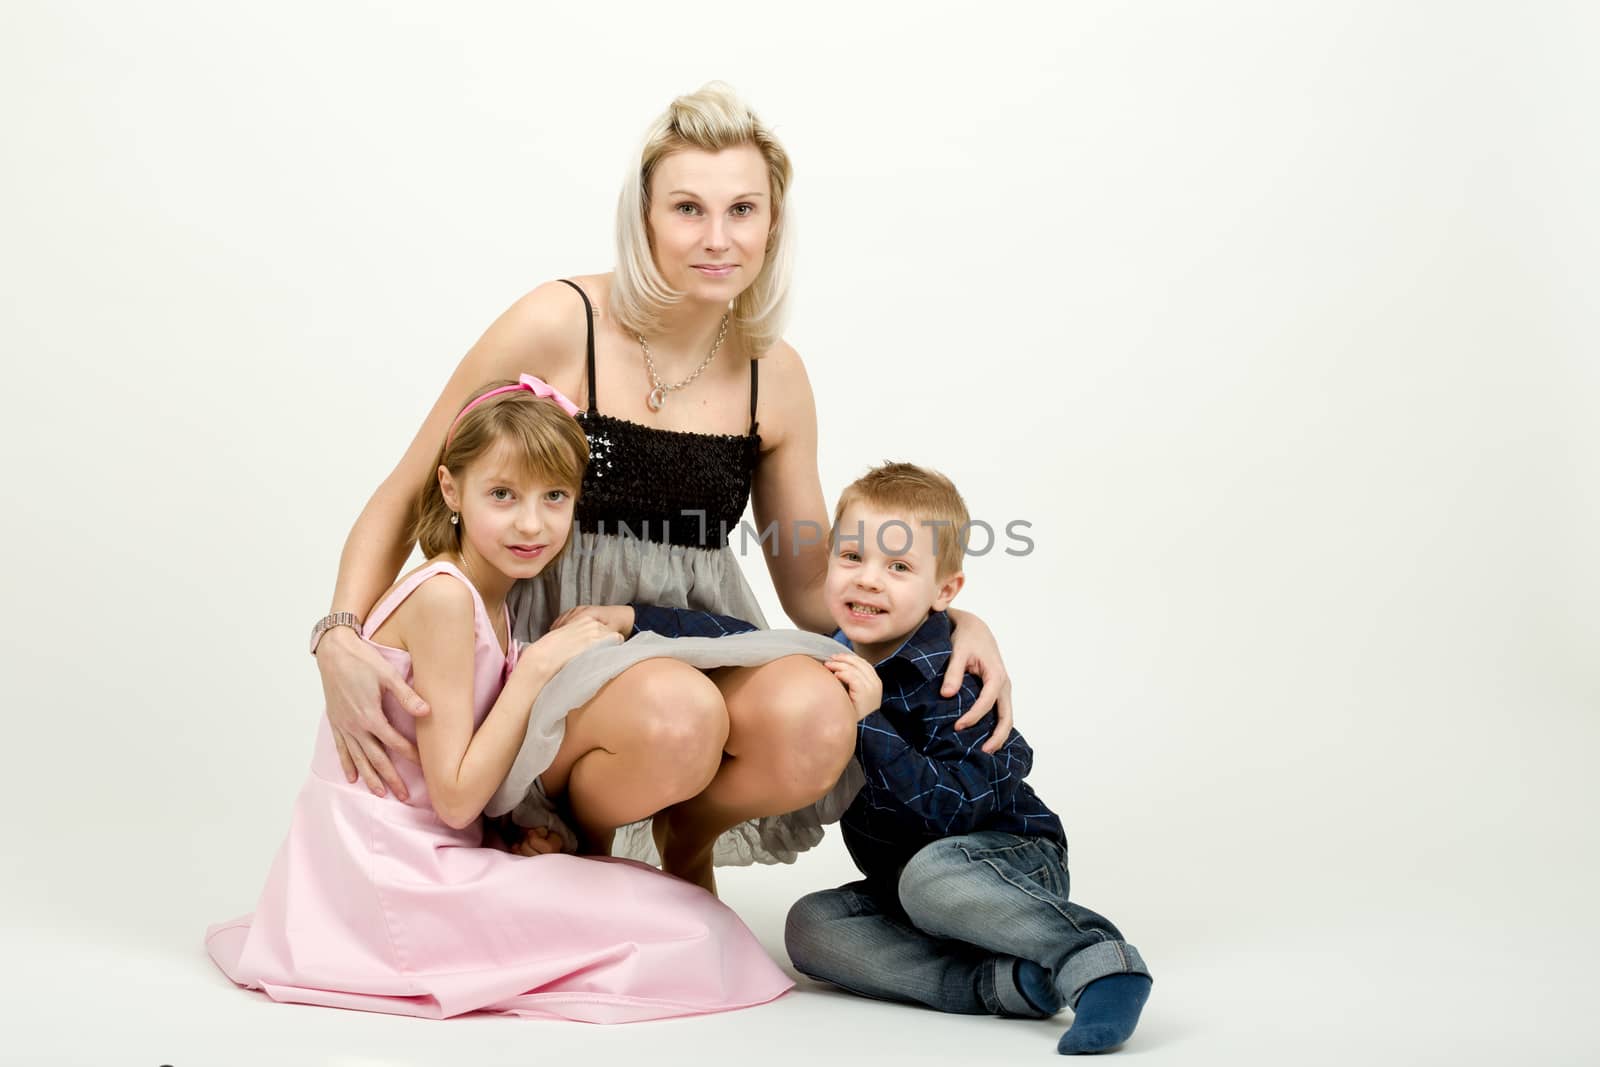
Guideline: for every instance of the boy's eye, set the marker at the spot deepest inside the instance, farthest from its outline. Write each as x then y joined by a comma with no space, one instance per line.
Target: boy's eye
897,565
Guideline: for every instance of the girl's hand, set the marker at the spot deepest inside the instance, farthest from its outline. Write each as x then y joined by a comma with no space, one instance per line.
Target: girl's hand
973,650
539,841
618,617
559,645
354,679
859,680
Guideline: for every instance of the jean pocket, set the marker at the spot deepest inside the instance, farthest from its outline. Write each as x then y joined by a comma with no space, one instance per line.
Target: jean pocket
1020,860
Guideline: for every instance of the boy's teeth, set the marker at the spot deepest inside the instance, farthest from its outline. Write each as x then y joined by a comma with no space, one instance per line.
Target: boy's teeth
867,610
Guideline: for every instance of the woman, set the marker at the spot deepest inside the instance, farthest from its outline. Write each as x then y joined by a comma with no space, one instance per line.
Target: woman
678,355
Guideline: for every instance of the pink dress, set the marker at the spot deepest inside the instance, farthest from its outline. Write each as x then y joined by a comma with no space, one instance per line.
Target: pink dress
374,903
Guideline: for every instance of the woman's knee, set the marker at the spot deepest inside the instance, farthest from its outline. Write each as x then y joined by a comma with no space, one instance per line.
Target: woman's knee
681,724
803,723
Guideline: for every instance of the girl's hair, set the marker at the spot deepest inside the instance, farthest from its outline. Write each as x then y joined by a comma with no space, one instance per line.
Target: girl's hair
543,439
908,491
712,119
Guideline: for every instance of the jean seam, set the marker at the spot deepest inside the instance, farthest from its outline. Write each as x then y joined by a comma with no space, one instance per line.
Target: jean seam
1029,890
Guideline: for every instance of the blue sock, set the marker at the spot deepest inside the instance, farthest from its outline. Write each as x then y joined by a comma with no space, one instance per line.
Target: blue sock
1107,1012
1034,983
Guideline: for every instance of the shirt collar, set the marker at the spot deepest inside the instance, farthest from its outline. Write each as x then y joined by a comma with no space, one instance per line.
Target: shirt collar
926,650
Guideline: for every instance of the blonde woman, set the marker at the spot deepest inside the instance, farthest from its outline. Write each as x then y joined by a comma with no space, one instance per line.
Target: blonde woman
694,405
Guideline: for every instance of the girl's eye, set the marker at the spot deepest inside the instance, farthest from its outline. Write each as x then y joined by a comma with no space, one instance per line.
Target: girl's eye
849,557
555,496
501,494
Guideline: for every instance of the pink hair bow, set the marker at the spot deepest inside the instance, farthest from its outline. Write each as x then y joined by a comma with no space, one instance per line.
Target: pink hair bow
537,386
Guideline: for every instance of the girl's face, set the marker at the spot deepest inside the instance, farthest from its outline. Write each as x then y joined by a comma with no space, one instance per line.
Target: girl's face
512,521
710,214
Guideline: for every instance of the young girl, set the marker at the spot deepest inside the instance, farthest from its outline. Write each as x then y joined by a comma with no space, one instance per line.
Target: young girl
392,905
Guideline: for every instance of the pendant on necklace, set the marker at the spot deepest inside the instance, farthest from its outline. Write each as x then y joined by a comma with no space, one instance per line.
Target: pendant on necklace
657,397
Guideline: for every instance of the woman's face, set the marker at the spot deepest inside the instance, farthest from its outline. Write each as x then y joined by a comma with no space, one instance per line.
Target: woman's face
710,214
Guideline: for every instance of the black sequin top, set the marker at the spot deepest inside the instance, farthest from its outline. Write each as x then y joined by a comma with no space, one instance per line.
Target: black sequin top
670,486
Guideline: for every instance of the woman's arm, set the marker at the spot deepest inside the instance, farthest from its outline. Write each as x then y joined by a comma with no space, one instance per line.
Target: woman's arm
542,333
788,491
463,766
973,650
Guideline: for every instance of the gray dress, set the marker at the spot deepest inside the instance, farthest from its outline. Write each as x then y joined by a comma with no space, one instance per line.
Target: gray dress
652,526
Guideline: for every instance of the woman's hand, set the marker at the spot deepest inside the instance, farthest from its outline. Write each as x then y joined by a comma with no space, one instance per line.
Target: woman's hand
859,680
618,617
560,644
973,650
354,679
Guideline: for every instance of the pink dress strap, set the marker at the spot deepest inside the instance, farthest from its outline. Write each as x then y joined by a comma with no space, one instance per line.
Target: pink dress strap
390,603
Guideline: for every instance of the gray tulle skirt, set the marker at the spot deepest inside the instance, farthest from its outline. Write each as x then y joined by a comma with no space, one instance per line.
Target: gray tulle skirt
610,569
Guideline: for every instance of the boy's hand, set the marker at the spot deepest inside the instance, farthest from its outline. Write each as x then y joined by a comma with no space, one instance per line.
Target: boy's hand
537,842
859,680
618,617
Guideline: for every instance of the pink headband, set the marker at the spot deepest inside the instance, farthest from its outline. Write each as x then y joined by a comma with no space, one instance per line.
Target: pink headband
533,385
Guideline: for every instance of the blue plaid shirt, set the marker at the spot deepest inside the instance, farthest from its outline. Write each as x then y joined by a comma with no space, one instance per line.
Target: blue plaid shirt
925,779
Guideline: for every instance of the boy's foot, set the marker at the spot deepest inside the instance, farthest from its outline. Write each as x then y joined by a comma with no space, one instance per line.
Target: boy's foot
1107,1013
1036,987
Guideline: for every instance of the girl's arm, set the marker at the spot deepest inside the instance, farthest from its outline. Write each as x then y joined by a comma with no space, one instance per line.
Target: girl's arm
542,333
462,766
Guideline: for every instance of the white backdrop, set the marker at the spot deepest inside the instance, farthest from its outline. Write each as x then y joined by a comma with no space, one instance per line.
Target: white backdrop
1275,319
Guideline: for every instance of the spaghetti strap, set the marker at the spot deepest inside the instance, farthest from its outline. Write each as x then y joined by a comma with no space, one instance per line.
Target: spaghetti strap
390,603
755,373
588,321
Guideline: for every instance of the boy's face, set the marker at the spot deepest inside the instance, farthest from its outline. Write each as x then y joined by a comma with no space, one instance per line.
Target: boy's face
883,580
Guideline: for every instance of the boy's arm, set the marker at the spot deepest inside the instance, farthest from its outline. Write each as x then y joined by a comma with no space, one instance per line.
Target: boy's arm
682,622
948,781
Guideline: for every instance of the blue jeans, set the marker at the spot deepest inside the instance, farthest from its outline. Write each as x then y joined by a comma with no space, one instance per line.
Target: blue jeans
949,934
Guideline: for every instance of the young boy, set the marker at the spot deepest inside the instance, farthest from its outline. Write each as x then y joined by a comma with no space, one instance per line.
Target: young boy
964,905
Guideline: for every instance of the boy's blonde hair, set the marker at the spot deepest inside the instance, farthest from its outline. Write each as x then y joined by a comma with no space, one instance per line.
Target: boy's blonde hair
712,119
918,493
543,439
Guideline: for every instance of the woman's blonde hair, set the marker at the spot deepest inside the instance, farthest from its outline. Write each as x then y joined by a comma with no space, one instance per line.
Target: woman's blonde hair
712,119
546,441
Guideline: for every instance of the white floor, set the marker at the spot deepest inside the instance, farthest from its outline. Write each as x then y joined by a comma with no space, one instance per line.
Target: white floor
1238,985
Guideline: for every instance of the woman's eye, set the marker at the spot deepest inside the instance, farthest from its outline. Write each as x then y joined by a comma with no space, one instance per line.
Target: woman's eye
744,209
687,208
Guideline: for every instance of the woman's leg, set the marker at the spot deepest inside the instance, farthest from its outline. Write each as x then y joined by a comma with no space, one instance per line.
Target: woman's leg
652,736
791,731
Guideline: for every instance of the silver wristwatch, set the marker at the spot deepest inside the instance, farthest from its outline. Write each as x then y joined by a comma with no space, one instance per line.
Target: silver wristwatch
328,622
